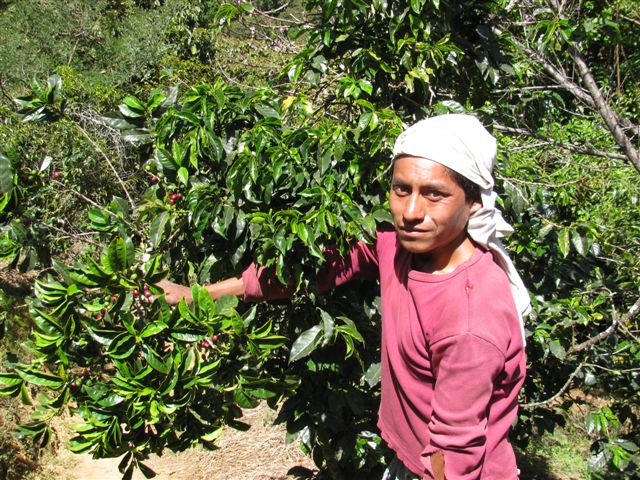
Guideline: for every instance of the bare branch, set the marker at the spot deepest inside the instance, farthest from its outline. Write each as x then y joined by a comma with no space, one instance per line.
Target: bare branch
106,158
568,146
634,20
612,370
590,94
275,10
615,324
560,77
95,204
564,388
66,234
610,118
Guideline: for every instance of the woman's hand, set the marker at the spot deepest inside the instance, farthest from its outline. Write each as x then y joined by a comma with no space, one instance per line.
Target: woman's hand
174,292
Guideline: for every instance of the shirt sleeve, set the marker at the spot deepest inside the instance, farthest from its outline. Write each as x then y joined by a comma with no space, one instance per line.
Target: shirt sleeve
465,367
261,284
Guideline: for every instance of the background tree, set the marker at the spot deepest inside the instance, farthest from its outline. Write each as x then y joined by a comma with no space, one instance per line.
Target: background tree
203,179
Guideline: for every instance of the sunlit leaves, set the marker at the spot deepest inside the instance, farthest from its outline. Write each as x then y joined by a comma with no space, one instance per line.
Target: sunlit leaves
146,362
44,102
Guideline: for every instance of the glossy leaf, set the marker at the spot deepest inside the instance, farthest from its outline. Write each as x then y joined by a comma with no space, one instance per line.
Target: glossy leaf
306,343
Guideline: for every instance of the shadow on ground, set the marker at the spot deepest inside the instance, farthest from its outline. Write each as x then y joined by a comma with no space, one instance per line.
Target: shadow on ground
534,467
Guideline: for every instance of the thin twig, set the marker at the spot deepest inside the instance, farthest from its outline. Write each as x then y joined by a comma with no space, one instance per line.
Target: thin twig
275,10
106,158
95,204
74,235
530,88
636,21
564,388
568,146
612,370
617,322
383,173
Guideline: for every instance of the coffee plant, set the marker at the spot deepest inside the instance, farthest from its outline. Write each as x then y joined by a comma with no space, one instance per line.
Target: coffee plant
228,182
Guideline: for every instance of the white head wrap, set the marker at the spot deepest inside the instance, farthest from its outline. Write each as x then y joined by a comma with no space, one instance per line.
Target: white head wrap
461,143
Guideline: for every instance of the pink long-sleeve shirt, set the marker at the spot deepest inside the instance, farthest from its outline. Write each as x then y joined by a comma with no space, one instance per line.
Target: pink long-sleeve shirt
453,357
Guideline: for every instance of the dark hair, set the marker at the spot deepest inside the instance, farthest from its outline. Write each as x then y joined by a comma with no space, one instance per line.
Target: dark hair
471,190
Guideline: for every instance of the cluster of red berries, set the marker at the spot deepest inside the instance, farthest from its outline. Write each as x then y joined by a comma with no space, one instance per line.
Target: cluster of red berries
174,197
209,342
103,312
145,292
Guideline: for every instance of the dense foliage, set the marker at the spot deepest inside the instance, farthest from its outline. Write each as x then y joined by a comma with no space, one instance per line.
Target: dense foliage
198,181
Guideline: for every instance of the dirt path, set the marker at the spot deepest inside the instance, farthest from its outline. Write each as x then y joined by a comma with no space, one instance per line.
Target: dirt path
257,454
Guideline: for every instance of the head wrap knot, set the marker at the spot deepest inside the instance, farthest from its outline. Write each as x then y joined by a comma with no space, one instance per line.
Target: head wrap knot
462,144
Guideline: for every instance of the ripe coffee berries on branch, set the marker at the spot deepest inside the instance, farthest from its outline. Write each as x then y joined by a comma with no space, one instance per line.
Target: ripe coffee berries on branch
135,292
174,197
56,175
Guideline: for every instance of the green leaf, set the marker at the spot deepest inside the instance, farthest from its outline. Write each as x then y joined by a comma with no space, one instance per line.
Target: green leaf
579,243
7,173
202,302
126,111
146,471
557,349
117,122
80,445
327,327
305,343
213,435
372,375
110,400
225,306
563,242
135,136
267,110
153,329
118,255
325,160
186,336
158,226
247,7
350,328
244,400
10,379
156,362
183,176
41,378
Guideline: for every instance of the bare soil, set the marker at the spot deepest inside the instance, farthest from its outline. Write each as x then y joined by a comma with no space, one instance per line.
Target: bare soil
259,453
